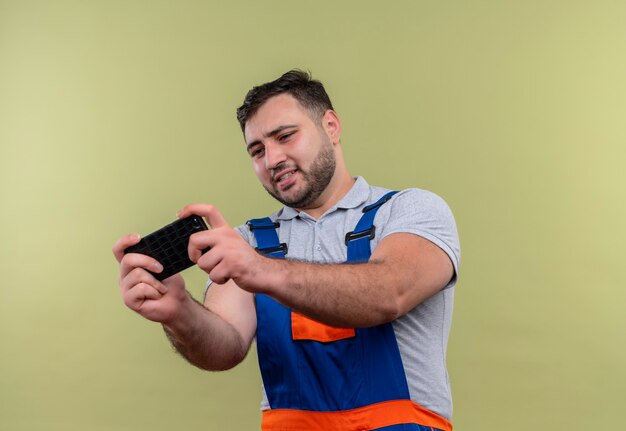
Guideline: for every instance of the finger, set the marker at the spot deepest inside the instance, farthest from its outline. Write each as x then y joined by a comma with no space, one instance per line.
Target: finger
209,260
199,243
123,243
209,212
210,263
131,261
136,296
140,276
219,276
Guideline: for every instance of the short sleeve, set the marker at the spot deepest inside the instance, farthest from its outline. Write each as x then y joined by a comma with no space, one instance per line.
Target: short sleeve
424,213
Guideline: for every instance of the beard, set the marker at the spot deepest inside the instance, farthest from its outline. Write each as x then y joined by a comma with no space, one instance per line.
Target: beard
316,179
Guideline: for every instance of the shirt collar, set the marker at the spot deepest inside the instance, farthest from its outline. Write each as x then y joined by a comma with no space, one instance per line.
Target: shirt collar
357,195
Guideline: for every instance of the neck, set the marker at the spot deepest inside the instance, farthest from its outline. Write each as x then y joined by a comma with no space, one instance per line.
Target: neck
339,186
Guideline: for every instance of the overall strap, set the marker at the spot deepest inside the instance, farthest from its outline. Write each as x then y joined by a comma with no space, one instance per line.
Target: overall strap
358,241
264,230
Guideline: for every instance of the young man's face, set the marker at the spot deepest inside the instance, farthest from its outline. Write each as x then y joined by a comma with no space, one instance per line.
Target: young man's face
292,154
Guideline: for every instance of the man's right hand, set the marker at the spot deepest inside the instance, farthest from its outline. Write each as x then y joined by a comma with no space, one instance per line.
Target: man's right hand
155,300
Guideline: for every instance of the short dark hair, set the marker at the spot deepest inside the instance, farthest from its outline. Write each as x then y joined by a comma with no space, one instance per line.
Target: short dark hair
309,92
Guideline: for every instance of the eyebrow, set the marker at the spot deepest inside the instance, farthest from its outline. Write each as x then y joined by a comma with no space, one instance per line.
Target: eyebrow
274,132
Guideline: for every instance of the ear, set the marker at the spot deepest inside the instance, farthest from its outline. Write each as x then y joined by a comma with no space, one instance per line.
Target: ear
332,126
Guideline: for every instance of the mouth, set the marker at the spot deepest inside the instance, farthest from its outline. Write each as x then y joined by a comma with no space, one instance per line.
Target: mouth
284,179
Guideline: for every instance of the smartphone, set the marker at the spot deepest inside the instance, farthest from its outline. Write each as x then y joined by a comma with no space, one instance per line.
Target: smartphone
168,245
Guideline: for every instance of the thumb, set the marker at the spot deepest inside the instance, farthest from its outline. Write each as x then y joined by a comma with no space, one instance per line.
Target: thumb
214,218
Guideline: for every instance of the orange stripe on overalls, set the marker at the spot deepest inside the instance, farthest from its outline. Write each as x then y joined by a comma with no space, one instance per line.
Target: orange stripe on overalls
365,418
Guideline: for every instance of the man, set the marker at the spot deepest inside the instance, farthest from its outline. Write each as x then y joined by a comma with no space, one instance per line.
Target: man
342,346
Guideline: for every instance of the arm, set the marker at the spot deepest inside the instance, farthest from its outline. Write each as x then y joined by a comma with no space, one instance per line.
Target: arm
404,270
215,336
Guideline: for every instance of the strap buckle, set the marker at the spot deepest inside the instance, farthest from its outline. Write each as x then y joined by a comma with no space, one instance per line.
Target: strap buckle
379,203
370,233
282,247
255,226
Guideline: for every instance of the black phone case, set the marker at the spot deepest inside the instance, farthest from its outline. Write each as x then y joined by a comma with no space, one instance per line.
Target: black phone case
168,245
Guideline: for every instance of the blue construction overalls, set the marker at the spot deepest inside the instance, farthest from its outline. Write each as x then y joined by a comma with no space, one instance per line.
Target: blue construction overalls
318,377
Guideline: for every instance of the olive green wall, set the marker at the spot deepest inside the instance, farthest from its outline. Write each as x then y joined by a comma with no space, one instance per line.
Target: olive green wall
115,114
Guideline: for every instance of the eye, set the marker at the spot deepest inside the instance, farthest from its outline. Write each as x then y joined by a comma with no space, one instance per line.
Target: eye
286,136
257,151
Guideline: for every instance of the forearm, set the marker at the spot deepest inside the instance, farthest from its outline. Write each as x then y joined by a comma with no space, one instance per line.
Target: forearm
388,286
205,339
344,295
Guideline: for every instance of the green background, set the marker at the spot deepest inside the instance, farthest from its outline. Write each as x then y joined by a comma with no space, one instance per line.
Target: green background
115,114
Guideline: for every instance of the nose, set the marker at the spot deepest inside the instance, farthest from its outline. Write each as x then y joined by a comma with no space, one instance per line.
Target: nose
274,155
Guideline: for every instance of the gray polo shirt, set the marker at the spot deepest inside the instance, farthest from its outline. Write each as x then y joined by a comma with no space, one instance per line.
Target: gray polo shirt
422,334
